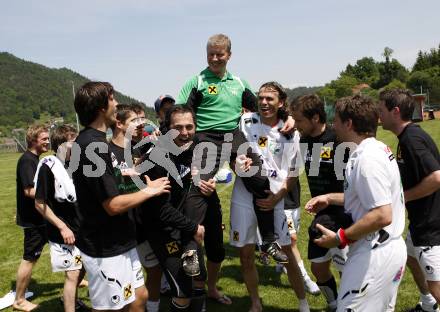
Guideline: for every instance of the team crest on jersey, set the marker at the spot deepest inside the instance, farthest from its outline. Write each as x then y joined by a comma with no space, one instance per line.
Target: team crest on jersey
326,152
128,291
236,236
212,89
262,141
78,259
172,247
274,147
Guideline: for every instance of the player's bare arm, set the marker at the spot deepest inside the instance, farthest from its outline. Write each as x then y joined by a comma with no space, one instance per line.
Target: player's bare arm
47,213
426,187
122,203
29,192
318,203
373,221
200,234
289,126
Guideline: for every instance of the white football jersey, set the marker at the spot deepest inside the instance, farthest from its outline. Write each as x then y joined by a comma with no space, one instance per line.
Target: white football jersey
277,152
372,179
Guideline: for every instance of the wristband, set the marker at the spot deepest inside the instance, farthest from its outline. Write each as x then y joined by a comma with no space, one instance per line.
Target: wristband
344,241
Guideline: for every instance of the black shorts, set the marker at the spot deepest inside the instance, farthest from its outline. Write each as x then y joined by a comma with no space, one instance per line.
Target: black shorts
168,251
333,221
34,240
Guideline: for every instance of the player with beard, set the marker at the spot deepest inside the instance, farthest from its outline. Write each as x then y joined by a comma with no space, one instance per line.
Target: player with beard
163,225
318,145
33,224
373,196
106,237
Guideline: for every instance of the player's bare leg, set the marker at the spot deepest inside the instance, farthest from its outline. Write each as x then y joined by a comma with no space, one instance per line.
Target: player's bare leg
434,288
250,276
295,278
24,275
71,282
309,285
141,297
427,300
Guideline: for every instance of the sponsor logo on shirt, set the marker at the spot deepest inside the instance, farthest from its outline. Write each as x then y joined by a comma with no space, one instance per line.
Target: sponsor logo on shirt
262,141
172,247
212,89
184,170
326,152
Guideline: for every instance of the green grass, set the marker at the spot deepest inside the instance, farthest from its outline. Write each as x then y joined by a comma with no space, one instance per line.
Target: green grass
274,289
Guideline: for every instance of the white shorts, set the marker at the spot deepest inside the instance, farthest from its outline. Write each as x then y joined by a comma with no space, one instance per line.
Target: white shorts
336,255
64,257
113,280
428,258
293,220
244,223
371,276
146,255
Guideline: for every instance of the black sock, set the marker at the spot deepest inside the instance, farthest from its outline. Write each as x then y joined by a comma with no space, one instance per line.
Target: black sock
198,300
329,290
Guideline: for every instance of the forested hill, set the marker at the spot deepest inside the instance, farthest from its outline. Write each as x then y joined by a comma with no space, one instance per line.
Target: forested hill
30,92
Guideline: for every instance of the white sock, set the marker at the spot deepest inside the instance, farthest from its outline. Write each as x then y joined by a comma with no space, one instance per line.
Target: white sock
428,301
153,306
302,269
304,305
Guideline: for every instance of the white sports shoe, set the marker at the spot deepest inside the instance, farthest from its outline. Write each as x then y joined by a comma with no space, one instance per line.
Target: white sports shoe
310,286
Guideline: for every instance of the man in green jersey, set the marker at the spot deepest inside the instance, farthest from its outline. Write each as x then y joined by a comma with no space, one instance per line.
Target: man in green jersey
218,99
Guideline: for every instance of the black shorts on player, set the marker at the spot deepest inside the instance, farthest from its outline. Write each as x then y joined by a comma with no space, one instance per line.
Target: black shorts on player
34,240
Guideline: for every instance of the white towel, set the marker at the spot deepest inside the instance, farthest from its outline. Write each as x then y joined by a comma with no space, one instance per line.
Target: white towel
64,188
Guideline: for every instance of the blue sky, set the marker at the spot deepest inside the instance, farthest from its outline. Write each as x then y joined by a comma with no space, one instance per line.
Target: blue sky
147,48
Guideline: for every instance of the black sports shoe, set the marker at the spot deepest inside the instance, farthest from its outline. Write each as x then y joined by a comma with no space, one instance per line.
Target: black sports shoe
418,308
191,263
274,250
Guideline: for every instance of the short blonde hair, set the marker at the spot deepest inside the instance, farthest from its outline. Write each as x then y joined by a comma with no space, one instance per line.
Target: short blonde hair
33,132
219,40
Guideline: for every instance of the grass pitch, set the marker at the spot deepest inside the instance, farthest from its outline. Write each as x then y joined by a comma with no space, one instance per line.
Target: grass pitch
274,288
